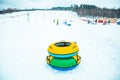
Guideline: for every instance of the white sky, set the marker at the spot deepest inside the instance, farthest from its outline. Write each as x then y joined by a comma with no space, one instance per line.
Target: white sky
52,3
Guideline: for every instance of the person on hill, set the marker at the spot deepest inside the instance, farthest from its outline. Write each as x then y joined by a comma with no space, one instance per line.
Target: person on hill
105,22
95,21
88,21
57,22
108,21
28,16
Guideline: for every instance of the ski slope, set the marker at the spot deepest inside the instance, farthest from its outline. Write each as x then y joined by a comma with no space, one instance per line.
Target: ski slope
25,37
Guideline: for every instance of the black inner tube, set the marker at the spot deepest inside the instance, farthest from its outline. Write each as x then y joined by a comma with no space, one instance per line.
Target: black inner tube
62,44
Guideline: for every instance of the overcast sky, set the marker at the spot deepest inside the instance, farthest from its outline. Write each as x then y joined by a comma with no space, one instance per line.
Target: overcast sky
51,3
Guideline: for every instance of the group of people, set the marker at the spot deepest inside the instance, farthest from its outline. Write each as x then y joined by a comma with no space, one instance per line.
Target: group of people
92,22
56,21
65,22
106,22
96,21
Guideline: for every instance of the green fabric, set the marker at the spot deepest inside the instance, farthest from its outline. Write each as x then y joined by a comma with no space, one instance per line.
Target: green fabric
62,62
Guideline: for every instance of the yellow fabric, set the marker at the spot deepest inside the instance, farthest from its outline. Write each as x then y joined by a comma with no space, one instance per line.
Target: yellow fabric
63,50
48,59
77,58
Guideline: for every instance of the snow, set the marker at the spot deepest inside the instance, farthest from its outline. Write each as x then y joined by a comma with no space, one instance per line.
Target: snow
24,40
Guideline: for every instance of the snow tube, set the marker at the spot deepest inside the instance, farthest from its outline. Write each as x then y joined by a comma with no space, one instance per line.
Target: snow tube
63,48
63,54
63,62
100,21
118,23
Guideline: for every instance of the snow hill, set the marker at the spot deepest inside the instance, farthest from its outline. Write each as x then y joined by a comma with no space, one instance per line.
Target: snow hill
25,37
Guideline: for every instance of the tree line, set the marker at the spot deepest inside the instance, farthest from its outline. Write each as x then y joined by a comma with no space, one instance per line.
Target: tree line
93,11
10,10
82,10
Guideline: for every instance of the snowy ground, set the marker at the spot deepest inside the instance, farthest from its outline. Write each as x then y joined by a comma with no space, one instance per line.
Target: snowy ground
24,40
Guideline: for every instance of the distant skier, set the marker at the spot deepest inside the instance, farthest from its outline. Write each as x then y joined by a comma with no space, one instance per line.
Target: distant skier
105,22
28,16
95,21
108,21
65,22
88,21
57,22
54,21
